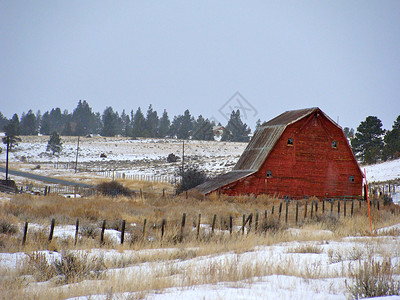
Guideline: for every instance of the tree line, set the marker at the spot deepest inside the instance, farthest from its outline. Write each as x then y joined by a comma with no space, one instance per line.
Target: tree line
83,121
370,143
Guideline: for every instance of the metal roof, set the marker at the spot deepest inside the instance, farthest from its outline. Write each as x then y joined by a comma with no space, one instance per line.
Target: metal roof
221,180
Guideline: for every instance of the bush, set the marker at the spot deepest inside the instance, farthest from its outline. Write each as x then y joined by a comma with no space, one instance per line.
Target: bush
114,189
7,228
374,279
172,158
191,177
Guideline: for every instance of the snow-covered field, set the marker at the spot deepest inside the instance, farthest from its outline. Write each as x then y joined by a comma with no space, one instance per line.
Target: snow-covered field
123,155
292,270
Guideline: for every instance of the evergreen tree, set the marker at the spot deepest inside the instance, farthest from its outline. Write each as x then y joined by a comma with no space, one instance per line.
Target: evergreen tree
139,124
28,125
392,141
235,130
12,130
126,124
203,129
54,144
348,132
164,125
182,125
152,122
367,143
3,122
83,119
111,122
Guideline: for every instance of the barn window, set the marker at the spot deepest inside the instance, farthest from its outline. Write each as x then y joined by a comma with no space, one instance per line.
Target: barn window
334,144
269,173
290,142
351,178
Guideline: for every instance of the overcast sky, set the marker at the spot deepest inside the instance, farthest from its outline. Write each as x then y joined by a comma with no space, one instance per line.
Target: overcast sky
342,56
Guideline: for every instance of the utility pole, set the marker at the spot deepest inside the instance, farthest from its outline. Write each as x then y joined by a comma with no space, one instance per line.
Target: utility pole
77,151
8,150
183,155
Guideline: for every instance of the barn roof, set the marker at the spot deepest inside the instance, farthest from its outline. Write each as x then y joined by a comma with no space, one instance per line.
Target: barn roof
221,180
265,138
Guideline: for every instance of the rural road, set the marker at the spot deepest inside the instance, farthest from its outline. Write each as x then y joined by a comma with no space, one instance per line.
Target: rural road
44,178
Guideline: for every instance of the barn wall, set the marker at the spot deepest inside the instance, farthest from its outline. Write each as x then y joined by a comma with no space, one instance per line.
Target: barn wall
311,166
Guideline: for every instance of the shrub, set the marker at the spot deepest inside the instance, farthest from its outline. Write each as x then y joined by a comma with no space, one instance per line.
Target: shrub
171,158
374,279
7,228
114,189
191,177
74,267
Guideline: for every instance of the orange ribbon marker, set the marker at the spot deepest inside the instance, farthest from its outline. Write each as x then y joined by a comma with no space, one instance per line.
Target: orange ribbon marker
369,208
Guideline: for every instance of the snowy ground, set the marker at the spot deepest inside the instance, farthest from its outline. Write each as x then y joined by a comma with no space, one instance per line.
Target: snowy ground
285,271
123,155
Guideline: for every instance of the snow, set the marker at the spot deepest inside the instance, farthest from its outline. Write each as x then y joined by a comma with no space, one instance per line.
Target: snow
288,274
389,170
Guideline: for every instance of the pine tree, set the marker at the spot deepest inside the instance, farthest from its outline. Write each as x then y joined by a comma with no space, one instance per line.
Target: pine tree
139,124
367,143
152,122
12,130
126,124
83,119
348,132
258,123
203,129
164,125
28,125
235,130
182,125
391,149
3,122
111,122
54,144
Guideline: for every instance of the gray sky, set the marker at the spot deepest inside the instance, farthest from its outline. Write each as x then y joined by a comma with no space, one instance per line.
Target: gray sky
342,56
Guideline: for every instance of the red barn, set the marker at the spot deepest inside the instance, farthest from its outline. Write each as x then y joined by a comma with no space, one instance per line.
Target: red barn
300,153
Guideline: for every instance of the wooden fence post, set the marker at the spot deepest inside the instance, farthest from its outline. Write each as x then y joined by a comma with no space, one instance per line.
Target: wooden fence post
103,228
344,207
323,206
352,206
316,207
305,210
198,227
53,221
76,231
122,232
162,229
213,224
297,211
332,207
230,225
25,234
183,222
312,209
338,208
250,221
377,204
144,229
243,222
272,210
280,210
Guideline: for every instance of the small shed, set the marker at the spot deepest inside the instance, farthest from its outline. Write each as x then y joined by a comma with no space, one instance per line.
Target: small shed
300,153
